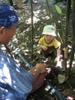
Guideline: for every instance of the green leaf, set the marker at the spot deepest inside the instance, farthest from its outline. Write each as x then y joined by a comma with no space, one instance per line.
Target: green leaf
61,78
58,9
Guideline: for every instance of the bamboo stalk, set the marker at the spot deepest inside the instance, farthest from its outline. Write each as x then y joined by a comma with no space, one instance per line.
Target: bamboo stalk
32,27
66,35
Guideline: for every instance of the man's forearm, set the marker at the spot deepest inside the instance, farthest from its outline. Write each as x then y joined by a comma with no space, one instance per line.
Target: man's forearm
58,52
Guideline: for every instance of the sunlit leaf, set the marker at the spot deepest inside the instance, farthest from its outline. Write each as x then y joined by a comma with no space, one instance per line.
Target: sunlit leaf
58,9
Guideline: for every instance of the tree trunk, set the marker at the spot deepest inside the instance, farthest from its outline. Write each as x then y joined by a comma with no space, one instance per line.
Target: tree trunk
73,35
66,34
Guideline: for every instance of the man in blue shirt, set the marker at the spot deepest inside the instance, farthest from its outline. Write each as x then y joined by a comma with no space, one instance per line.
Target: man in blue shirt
15,82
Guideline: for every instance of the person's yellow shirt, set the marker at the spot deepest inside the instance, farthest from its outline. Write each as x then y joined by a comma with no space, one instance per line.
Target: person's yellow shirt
54,43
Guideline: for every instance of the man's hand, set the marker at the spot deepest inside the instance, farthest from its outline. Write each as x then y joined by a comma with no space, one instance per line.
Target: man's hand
59,64
41,67
57,59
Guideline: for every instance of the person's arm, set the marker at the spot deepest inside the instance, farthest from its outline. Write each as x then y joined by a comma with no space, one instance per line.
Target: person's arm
58,58
57,46
58,53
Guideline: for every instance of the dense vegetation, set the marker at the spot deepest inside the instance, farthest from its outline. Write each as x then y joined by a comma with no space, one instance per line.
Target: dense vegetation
33,17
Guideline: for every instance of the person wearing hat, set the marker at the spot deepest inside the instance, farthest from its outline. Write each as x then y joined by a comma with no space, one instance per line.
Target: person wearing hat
48,43
15,82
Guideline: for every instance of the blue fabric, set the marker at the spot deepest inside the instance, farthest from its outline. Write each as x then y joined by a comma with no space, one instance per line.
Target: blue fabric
8,16
16,77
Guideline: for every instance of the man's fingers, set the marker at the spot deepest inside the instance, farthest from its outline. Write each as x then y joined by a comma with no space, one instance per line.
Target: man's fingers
48,70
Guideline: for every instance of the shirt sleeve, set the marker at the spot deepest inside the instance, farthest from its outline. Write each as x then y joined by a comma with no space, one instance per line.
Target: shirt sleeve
56,43
41,41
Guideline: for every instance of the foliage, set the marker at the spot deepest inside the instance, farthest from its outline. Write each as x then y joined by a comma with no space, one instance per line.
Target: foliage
43,13
24,32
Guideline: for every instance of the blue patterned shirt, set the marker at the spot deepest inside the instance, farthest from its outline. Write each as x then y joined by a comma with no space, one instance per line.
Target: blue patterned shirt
17,77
